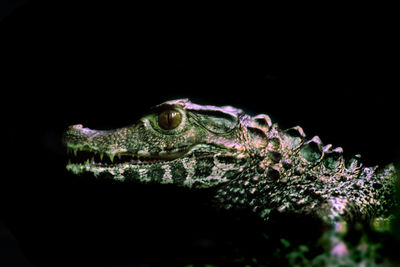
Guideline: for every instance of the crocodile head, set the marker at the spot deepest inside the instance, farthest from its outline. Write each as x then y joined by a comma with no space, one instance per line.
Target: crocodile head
176,142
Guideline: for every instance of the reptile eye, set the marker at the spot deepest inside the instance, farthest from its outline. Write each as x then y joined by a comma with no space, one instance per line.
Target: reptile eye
169,119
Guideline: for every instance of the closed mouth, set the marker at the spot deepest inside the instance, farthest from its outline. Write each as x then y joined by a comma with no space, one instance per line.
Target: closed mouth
86,156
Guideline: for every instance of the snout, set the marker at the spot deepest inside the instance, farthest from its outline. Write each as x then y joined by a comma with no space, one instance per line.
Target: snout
77,134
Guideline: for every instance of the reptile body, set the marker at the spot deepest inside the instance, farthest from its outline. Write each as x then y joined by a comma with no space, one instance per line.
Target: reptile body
250,162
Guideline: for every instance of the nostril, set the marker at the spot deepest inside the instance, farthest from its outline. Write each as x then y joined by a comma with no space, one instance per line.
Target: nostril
77,126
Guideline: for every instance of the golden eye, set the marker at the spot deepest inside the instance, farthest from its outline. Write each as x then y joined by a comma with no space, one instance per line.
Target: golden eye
169,119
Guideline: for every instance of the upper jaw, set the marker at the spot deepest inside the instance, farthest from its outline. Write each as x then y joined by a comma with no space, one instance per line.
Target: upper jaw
102,148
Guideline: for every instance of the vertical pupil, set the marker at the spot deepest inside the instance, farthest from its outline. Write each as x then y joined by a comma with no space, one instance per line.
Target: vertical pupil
169,117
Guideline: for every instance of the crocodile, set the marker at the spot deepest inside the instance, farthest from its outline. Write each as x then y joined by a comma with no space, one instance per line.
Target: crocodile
249,161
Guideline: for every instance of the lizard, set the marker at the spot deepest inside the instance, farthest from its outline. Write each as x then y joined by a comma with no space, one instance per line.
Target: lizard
248,161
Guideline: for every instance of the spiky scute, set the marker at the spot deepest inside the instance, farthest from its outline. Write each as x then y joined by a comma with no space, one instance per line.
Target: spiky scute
303,176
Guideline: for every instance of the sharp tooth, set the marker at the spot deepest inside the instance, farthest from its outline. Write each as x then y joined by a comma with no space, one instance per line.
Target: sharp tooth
101,156
119,155
87,162
111,156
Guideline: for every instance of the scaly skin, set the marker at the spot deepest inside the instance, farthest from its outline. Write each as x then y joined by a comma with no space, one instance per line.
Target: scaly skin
251,163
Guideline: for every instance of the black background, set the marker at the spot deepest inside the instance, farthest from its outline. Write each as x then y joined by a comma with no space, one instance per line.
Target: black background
334,71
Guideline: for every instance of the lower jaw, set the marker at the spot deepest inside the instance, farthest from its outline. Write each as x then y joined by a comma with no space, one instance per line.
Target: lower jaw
123,164
98,166
113,166
116,169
